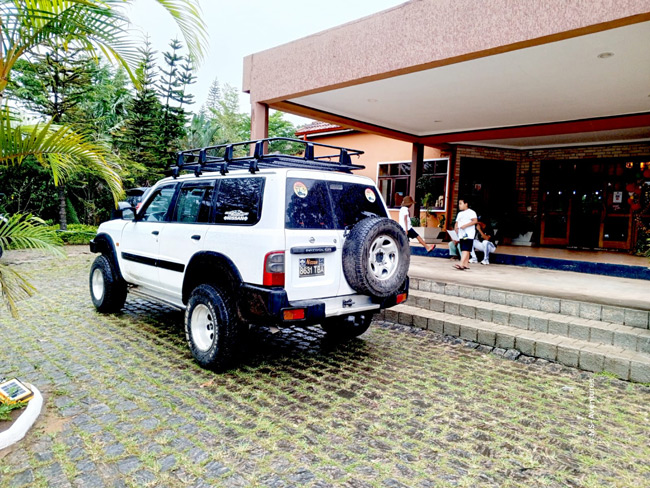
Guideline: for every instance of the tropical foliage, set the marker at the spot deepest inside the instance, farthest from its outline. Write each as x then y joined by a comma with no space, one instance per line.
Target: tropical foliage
27,28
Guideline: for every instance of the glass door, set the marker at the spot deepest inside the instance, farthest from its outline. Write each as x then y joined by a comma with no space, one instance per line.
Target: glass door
557,198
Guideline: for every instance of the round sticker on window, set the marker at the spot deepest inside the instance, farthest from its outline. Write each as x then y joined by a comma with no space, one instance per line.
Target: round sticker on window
370,195
300,189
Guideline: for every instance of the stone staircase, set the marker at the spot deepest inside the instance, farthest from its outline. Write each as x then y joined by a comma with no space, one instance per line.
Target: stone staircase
589,336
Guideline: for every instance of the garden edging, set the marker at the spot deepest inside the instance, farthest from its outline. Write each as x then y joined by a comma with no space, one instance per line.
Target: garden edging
20,427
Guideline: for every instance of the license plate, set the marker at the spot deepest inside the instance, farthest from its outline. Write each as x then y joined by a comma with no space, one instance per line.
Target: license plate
311,267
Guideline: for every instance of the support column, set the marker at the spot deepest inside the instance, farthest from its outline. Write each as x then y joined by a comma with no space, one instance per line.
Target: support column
417,167
259,121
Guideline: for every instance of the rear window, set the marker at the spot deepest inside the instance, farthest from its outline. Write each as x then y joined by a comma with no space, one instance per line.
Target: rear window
317,204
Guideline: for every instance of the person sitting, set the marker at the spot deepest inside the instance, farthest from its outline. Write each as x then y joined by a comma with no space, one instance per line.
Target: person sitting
484,242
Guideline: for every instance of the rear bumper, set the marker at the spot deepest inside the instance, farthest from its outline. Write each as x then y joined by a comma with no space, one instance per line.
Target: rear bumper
266,306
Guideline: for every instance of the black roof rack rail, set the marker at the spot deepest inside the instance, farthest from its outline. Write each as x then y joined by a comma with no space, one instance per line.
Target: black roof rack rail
222,158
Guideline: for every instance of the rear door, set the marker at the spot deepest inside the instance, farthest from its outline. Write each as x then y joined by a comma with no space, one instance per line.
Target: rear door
313,244
317,214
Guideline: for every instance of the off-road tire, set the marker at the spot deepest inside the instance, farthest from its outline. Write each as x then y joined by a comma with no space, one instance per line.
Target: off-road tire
107,291
342,328
376,257
211,327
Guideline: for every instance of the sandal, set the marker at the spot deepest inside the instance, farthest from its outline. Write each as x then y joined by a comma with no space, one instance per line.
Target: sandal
458,266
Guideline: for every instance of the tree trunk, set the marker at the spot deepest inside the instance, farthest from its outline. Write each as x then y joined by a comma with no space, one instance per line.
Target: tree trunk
63,221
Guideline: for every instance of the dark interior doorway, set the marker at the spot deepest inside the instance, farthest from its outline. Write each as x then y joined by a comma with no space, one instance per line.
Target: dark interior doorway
491,186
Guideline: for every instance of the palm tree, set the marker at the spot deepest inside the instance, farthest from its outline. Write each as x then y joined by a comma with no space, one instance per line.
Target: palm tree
98,26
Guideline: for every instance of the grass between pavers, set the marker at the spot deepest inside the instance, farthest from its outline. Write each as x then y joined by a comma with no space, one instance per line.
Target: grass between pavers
396,408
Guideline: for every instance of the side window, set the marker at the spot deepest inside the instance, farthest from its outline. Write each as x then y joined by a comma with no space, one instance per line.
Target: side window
239,201
194,203
158,206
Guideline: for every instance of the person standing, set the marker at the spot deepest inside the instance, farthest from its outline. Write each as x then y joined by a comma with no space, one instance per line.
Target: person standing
466,221
405,222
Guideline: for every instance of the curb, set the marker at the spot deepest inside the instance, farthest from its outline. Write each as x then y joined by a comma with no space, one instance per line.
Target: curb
20,427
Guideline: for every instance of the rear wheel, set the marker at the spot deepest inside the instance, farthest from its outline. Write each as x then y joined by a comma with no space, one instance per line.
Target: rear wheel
211,327
347,327
107,291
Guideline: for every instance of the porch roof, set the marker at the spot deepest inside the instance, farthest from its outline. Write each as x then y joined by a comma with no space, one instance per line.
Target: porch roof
534,73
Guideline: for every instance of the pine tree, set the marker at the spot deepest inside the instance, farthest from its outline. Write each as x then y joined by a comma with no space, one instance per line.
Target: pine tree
176,77
142,134
212,102
54,84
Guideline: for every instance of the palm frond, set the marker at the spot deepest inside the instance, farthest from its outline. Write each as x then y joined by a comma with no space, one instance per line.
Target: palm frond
189,19
58,148
22,231
13,287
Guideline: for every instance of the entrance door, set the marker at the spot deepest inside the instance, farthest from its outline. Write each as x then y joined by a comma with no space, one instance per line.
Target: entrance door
585,203
490,184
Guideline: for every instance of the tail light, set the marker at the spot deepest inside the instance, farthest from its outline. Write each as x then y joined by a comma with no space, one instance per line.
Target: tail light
274,269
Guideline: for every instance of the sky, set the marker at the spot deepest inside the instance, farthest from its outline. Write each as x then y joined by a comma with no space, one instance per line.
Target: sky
237,28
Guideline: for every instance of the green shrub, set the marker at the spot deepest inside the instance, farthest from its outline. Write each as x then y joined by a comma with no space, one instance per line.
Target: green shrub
77,234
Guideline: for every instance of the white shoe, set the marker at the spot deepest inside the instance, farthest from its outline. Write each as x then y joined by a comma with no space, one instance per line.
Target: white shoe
473,261
485,262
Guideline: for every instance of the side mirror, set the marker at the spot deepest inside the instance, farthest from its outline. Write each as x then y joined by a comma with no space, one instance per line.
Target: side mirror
123,211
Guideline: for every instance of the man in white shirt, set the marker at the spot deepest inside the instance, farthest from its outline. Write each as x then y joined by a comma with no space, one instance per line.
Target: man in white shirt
405,222
466,221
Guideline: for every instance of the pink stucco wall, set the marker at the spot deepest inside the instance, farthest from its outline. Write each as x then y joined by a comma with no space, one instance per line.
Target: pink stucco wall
422,34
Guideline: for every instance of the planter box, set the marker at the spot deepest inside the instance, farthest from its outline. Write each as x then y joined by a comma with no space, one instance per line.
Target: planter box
429,234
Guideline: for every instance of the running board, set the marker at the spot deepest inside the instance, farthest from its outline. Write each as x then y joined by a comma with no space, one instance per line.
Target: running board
143,294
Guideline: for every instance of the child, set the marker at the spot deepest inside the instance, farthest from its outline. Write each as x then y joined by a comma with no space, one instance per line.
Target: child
405,222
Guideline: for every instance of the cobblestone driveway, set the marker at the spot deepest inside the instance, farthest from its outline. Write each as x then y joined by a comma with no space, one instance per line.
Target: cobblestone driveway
127,406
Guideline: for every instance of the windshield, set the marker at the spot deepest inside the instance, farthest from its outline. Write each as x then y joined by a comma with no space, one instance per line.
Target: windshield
318,204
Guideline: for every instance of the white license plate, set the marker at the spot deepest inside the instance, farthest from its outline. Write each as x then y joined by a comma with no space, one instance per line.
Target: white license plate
311,267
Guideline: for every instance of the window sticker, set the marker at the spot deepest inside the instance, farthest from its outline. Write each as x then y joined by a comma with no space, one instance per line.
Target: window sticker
236,215
370,195
300,189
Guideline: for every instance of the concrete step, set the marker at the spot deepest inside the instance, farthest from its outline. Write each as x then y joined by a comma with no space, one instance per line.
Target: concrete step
612,314
633,339
597,357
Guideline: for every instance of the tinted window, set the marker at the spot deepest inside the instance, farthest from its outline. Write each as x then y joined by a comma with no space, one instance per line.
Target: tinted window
308,205
158,205
313,204
194,203
239,201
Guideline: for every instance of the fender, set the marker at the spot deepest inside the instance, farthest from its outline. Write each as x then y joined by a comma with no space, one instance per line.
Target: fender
210,267
103,243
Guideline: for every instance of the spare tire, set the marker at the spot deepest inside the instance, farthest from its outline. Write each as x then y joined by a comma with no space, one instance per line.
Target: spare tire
376,257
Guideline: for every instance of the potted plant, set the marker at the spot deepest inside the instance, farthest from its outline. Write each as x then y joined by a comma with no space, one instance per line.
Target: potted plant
429,233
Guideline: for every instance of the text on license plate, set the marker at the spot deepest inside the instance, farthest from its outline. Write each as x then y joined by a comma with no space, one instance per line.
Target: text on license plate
311,267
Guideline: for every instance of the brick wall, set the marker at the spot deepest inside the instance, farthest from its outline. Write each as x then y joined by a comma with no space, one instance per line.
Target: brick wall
528,192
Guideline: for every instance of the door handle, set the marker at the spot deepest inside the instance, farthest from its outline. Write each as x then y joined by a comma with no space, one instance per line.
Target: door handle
196,237
155,232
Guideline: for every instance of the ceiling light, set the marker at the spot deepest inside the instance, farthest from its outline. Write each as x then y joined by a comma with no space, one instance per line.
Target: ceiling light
605,55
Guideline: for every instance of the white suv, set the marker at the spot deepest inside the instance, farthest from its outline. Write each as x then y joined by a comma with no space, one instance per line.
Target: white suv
269,239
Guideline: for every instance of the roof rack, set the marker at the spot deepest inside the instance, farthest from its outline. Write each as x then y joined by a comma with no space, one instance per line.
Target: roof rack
222,158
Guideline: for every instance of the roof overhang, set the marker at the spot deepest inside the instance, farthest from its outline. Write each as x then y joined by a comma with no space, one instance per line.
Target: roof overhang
497,73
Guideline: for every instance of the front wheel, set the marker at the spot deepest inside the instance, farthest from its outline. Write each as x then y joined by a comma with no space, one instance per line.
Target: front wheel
211,327
347,327
107,291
